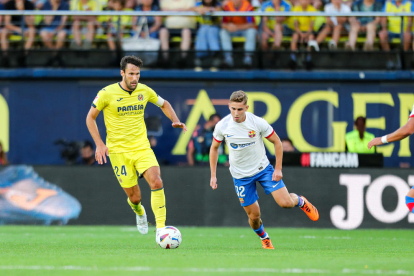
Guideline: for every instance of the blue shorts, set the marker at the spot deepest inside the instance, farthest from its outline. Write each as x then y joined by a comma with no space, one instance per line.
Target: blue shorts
246,187
391,36
151,35
51,30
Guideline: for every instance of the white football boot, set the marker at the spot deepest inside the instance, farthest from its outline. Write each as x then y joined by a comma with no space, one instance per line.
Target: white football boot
157,235
142,223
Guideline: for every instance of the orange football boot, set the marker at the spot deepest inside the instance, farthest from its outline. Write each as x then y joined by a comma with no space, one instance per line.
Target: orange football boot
267,244
310,210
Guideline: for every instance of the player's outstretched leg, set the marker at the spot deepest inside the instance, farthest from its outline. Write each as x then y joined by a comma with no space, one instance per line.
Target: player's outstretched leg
409,200
134,200
142,223
253,212
286,200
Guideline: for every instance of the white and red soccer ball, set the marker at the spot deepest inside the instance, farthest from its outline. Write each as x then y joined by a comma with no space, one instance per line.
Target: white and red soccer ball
169,237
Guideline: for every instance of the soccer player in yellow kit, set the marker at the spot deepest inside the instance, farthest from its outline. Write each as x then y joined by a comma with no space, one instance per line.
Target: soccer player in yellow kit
127,143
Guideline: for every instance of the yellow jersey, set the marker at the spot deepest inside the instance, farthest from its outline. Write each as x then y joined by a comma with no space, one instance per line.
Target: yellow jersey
394,22
124,116
304,21
268,6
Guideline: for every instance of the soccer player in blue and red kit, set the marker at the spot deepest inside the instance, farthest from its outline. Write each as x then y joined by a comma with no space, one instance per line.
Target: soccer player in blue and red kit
401,133
244,133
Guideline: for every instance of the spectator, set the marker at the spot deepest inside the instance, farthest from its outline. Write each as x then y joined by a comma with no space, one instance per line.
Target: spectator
287,145
154,22
334,25
200,143
176,25
238,26
273,26
54,25
208,37
13,25
391,27
112,28
84,5
358,139
87,154
303,32
366,25
3,156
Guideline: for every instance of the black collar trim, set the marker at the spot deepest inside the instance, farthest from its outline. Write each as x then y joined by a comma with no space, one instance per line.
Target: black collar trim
130,92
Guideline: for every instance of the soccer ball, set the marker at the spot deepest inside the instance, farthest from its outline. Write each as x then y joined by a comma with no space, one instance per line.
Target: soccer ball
169,237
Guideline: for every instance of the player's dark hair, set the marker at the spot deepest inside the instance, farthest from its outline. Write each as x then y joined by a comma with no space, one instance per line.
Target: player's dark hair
364,120
212,4
131,60
213,116
122,2
238,97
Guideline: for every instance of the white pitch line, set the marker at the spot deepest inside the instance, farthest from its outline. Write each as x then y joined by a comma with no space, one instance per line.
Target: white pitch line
211,270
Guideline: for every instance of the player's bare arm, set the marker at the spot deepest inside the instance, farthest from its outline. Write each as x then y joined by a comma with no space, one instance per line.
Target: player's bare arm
401,133
101,149
170,113
275,140
213,163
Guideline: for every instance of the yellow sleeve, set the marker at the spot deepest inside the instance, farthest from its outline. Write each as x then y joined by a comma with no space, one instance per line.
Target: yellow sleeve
152,96
100,101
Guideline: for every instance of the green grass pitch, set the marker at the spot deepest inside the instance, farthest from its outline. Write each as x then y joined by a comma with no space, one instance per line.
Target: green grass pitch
76,250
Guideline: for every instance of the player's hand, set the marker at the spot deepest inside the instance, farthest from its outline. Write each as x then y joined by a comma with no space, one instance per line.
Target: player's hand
179,125
277,175
213,183
101,153
375,142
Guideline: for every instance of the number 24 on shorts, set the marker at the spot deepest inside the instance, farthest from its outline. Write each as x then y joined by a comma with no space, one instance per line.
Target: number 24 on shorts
123,171
240,191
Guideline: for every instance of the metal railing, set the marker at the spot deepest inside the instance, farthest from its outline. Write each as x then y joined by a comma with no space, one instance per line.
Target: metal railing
119,14
217,13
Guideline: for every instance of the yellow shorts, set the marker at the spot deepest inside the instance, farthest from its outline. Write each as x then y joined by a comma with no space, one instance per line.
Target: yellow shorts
127,164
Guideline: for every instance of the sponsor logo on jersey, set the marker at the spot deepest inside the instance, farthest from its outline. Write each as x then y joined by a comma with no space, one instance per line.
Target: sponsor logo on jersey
130,108
252,134
229,136
120,99
140,97
241,146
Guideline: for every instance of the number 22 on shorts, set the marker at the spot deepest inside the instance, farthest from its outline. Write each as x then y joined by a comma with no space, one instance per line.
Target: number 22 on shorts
240,191
123,171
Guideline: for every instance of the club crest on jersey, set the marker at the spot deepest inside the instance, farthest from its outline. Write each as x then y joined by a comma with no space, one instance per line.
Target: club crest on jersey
252,134
140,97
241,200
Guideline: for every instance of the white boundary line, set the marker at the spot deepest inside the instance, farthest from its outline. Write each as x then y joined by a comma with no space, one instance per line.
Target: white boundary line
210,270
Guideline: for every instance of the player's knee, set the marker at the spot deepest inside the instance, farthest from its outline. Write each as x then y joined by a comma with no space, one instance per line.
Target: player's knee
286,203
135,199
254,217
156,184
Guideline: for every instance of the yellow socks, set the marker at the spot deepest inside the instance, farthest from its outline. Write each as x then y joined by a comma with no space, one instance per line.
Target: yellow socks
158,207
137,208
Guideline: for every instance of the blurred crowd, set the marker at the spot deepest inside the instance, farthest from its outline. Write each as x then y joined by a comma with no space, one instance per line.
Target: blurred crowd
210,34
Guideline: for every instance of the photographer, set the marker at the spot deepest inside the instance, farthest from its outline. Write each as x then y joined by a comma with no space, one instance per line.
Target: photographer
88,154
71,151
